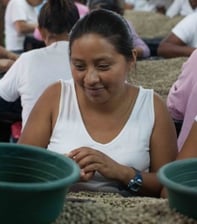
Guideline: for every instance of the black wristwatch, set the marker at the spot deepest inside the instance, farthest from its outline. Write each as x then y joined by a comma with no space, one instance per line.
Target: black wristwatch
135,183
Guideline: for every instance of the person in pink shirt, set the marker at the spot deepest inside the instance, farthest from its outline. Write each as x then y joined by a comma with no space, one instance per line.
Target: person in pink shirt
181,100
82,8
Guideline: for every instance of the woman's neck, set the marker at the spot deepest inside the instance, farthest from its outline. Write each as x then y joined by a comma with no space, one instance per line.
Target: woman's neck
51,38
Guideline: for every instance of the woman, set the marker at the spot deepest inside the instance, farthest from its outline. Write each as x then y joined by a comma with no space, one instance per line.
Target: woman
118,133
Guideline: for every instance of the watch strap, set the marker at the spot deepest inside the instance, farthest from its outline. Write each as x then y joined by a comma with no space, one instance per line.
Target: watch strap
136,182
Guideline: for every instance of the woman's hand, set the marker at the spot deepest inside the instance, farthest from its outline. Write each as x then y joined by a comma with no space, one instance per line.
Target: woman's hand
91,160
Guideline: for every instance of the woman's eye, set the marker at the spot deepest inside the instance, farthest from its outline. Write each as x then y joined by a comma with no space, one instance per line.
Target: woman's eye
80,67
103,67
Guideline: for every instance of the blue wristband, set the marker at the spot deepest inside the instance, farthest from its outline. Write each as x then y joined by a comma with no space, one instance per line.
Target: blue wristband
135,183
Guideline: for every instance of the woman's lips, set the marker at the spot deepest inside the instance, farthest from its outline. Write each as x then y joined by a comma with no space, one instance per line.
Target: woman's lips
94,91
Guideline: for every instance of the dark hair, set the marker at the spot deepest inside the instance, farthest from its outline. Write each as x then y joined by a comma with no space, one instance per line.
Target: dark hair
58,16
107,24
113,5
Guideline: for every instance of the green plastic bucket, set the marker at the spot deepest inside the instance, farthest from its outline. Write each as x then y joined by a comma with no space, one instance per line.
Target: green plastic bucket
180,179
33,183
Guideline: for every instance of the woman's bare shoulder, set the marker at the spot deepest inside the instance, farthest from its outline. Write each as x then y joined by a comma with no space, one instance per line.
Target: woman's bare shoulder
53,90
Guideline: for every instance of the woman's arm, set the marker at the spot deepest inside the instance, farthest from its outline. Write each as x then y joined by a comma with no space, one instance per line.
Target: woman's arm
189,149
5,54
174,9
5,64
23,27
163,146
172,46
42,118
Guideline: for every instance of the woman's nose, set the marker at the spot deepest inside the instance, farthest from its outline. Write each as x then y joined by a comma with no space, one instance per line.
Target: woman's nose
91,76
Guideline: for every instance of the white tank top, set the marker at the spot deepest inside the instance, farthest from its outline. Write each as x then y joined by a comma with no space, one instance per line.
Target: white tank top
130,147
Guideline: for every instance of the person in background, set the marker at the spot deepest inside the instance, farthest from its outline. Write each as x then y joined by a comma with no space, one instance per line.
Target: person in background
113,5
117,6
119,134
182,40
36,33
148,5
83,9
182,8
140,5
182,97
20,21
37,69
7,58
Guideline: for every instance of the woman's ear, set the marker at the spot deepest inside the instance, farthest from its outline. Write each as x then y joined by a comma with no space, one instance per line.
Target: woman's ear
134,55
133,60
132,65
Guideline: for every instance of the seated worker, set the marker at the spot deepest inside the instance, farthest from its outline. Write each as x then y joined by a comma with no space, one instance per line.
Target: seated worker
148,5
117,6
20,21
37,69
181,100
182,40
82,8
182,8
118,133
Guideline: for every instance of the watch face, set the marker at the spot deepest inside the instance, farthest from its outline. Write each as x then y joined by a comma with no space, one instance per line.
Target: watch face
135,183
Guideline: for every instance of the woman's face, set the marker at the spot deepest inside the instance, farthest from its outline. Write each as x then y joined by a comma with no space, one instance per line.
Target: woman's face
98,69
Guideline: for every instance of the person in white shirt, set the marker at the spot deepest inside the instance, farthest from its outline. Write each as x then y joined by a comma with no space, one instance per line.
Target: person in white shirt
148,5
141,5
20,20
35,70
182,8
182,40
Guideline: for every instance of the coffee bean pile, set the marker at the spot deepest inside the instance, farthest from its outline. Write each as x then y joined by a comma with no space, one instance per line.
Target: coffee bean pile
157,74
108,208
150,24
